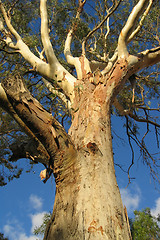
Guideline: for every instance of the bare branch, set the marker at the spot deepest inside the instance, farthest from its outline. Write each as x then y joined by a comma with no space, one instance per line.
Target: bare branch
20,45
5,104
140,119
67,49
140,23
130,144
150,56
140,144
111,61
113,9
124,112
128,28
8,22
6,35
11,8
44,126
41,54
58,93
144,59
53,72
45,34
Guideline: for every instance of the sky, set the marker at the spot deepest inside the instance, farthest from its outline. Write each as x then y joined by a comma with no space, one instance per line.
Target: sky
24,201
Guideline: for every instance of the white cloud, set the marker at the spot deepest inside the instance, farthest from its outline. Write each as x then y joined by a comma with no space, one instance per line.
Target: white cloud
156,209
131,199
36,202
37,220
14,231
22,236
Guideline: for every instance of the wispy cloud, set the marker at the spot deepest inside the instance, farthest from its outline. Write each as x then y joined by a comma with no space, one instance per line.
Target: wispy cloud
36,202
156,209
14,230
131,198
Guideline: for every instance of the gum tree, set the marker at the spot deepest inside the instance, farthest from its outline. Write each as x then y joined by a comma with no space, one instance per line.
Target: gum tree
90,85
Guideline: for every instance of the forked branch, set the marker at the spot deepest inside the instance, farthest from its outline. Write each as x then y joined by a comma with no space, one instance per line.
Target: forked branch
140,23
52,70
129,27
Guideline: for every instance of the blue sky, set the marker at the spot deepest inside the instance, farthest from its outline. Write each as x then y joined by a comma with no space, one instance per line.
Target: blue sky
24,201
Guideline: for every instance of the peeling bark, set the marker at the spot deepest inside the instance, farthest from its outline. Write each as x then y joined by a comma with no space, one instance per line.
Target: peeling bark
43,125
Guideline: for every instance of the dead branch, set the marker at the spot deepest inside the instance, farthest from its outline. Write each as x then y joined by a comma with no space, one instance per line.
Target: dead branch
132,151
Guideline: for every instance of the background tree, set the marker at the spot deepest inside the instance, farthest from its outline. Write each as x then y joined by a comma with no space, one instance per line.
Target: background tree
107,50
145,226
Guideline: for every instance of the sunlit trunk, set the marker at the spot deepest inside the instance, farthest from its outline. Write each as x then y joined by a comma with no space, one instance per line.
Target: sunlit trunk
88,203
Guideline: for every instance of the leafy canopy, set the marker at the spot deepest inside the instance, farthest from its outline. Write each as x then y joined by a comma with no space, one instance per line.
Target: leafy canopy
145,226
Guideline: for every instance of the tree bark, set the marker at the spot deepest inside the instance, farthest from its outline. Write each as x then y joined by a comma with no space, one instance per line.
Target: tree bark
88,203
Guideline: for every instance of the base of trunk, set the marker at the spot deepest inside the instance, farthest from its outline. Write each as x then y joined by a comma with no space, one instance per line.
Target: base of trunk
89,207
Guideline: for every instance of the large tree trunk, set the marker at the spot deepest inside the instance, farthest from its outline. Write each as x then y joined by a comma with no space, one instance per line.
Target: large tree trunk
88,203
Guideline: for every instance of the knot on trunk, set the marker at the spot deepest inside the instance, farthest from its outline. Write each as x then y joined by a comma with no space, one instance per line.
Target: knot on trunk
93,147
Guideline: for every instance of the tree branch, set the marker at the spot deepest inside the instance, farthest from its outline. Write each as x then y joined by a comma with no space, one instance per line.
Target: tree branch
113,9
128,28
130,144
76,61
42,124
8,22
67,47
128,112
45,34
110,63
28,149
54,72
133,34
6,105
58,93
144,59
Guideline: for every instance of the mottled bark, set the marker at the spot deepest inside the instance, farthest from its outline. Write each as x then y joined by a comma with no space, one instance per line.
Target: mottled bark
88,203
54,143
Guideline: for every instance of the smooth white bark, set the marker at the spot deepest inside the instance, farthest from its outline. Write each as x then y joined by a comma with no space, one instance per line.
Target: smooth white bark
45,34
140,23
129,27
66,101
144,59
67,49
52,70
